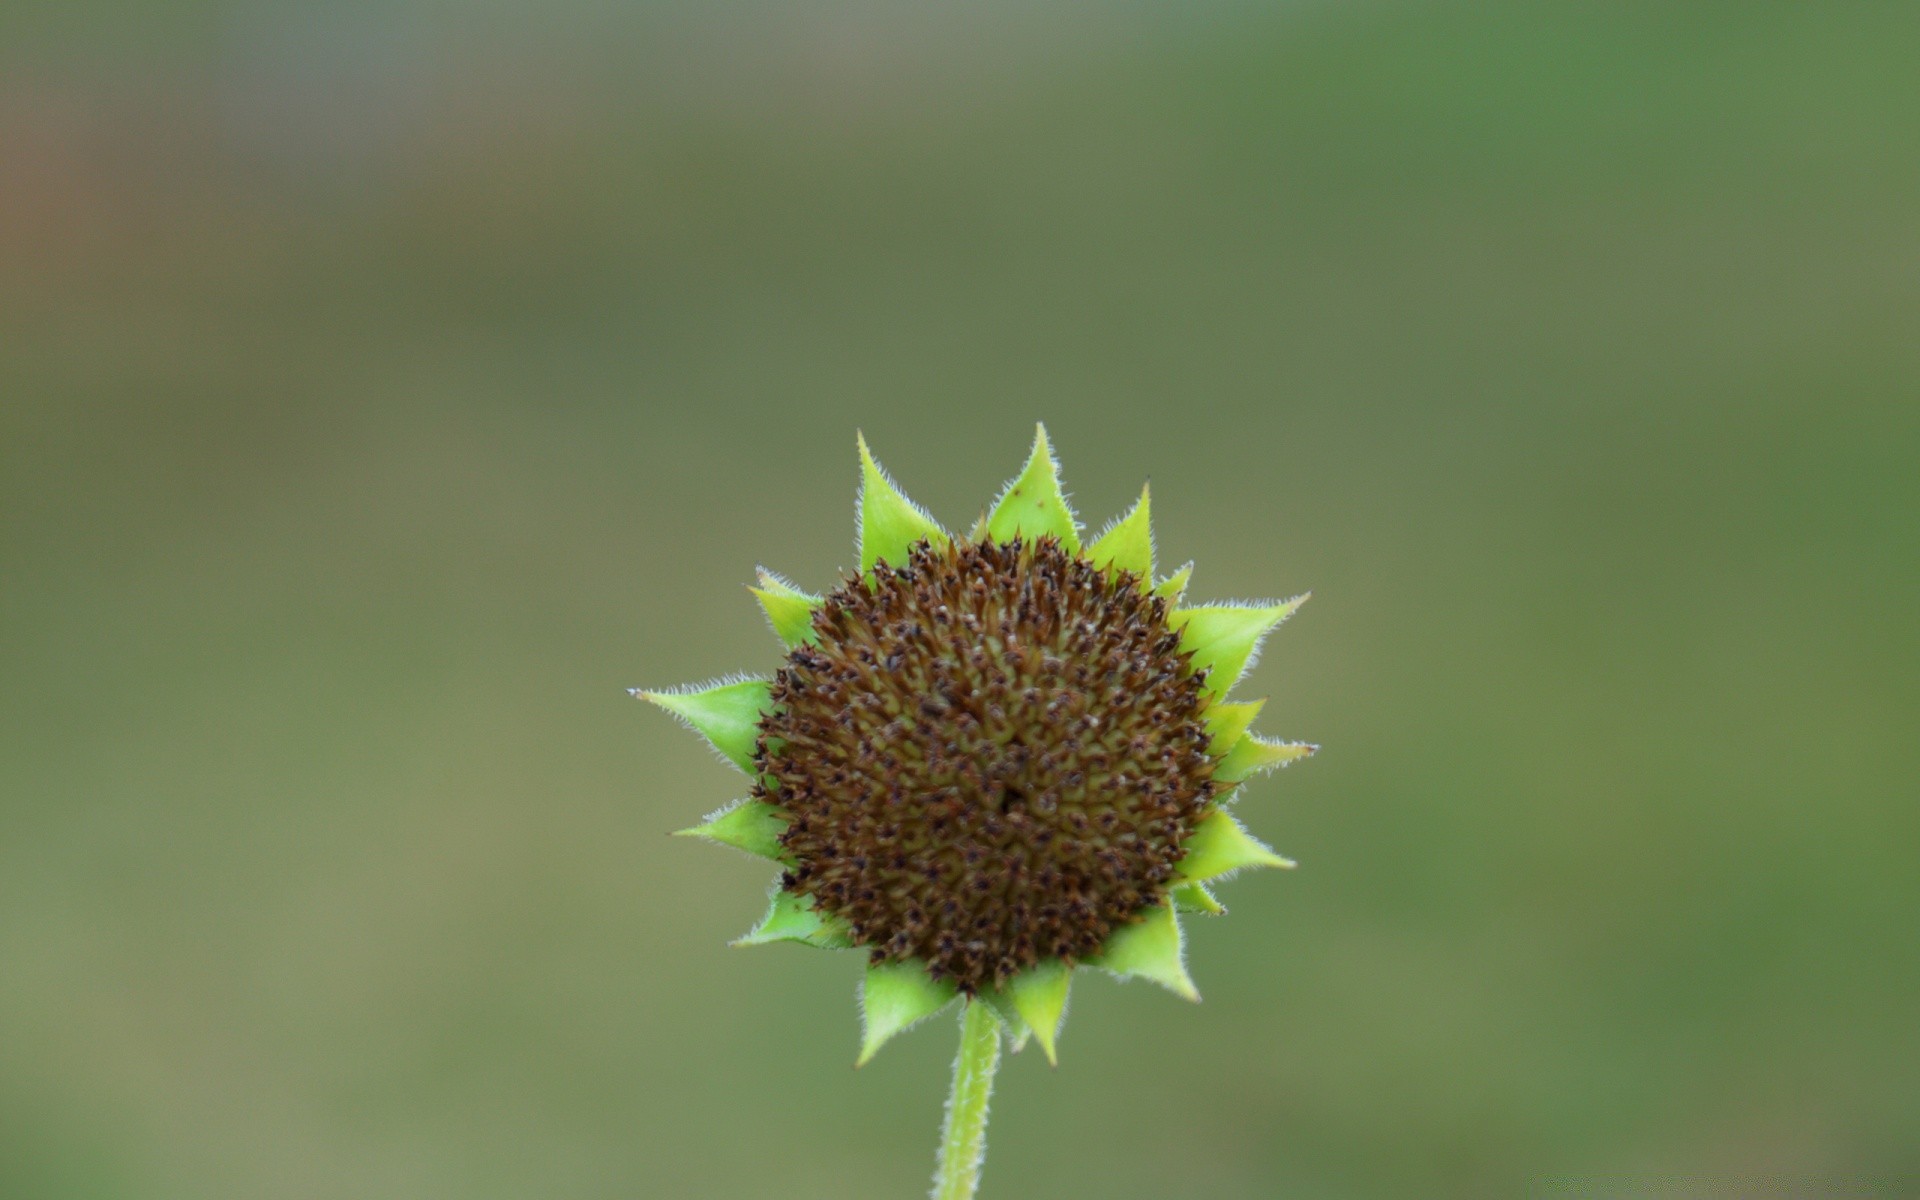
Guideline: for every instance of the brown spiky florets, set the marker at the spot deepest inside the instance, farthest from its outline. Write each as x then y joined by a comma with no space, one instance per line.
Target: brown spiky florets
988,757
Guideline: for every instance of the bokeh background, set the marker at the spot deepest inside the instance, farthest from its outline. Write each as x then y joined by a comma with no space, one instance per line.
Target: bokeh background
383,388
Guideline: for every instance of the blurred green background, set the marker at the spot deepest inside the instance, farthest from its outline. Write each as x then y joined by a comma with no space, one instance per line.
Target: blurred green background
383,388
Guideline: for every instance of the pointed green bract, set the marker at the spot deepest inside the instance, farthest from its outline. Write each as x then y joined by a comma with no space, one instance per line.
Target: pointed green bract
1195,898
1220,846
774,583
895,996
1040,995
792,918
726,714
889,522
1174,586
1223,638
1228,723
1149,949
1032,506
751,825
1127,545
792,619
789,610
1252,755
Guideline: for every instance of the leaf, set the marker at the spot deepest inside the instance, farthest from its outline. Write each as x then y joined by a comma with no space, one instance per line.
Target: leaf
1228,723
1174,586
726,714
1149,949
889,522
1040,995
751,825
894,997
1252,755
793,918
1032,505
789,610
1127,544
1220,846
1223,638
1195,898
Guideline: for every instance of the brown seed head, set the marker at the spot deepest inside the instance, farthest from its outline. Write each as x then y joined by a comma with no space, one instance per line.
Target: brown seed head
989,757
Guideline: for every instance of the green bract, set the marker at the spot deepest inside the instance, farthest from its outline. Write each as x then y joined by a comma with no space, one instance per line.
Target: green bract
1006,829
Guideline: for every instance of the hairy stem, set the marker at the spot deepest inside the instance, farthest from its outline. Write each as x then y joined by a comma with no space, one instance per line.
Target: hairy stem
963,1141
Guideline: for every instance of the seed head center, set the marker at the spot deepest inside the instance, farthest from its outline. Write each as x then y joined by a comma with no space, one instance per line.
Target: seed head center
989,756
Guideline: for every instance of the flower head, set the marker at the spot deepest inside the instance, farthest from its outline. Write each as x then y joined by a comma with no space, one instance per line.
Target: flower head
989,760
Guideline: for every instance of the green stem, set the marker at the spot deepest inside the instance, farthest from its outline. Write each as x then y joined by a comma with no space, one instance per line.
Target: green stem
963,1142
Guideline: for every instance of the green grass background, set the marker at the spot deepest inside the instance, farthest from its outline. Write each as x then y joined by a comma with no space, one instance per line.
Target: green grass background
383,389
